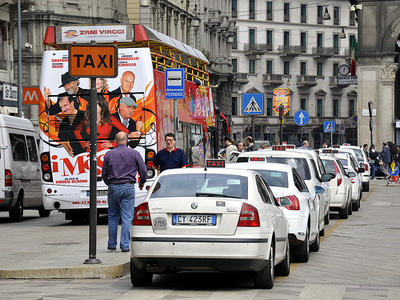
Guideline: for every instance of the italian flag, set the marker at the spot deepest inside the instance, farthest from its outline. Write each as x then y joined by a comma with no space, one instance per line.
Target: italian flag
354,48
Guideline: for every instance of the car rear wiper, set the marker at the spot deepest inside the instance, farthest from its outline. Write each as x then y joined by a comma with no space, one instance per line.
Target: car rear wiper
215,195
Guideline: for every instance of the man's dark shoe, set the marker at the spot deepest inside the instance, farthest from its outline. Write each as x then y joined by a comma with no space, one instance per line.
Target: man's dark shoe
125,250
109,248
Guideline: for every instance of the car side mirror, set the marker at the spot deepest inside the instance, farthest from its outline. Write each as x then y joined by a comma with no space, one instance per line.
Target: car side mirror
332,175
326,177
361,169
319,189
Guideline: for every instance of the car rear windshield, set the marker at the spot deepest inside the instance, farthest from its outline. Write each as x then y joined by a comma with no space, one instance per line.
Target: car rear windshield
344,162
359,155
300,164
275,178
329,166
201,185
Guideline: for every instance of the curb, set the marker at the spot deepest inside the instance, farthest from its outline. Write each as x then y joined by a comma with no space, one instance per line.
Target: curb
85,272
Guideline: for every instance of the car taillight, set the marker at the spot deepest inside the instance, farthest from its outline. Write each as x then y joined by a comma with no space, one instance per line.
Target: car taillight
366,167
142,215
352,180
295,203
8,177
338,174
249,216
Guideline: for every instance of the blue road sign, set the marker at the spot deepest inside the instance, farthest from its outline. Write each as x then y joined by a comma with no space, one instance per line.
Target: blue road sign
253,104
301,118
174,84
329,126
394,171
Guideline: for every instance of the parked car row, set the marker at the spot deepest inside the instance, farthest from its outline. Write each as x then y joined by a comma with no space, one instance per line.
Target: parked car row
256,215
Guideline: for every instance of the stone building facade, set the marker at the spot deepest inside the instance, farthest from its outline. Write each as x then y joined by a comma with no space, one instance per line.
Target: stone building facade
378,71
293,45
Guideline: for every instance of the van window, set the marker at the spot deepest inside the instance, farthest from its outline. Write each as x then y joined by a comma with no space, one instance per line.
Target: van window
32,148
18,147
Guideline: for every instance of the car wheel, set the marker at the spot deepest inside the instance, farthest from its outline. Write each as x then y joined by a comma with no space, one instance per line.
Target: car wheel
344,212
17,212
314,247
43,213
283,269
327,218
264,279
366,186
140,277
322,231
350,207
302,252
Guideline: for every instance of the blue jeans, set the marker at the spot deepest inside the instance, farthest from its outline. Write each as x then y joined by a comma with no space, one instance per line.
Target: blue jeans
121,204
373,170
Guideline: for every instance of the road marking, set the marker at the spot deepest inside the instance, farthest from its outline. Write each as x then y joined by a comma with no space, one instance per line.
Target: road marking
369,194
293,266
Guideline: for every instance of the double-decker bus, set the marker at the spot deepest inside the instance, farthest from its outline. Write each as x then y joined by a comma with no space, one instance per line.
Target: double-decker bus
144,55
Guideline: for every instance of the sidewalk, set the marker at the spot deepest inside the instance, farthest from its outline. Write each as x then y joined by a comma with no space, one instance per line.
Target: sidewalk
57,249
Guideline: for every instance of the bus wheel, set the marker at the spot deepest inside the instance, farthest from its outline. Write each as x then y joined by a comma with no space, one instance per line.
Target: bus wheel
17,212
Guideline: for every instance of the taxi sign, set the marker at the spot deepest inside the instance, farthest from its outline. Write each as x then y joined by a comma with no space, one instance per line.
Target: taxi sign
257,158
336,146
282,147
215,163
93,61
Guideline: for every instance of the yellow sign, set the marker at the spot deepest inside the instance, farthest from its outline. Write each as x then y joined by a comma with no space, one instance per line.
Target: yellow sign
281,96
93,61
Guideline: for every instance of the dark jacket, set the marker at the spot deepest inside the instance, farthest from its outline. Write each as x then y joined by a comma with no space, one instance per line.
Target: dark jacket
385,155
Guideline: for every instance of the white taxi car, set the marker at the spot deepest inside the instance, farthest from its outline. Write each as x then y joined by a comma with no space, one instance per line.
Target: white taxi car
299,207
305,164
354,172
210,219
362,159
340,184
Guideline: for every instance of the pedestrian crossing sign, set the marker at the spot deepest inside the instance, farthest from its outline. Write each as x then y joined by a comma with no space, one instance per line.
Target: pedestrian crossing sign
329,126
253,104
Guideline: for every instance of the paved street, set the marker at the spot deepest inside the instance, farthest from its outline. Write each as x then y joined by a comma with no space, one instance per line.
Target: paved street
358,259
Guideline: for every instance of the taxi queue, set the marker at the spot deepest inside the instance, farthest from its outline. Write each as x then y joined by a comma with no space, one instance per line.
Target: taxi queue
256,215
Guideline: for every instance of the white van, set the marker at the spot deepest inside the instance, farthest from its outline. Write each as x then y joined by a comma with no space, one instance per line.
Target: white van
20,175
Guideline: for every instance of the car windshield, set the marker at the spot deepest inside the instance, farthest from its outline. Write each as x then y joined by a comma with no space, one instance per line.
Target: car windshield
329,166
300,164
359,155
201,185
275,178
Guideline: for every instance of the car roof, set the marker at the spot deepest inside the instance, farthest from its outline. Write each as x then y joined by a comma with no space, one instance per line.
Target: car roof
208,170
261,165
270,152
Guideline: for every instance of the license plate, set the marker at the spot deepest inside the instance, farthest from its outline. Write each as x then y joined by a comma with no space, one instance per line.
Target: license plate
190,219
101,193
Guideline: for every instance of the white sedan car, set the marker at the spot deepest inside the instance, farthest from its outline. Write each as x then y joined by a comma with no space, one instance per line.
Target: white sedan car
354,172
340,184
210,219
299,207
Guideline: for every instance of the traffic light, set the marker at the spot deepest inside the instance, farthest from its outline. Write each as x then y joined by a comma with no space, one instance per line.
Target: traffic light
281,113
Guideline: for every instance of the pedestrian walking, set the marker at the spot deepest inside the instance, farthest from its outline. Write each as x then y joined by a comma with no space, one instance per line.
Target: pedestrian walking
385,160
119,170
250,146
171,157
229,147
373,160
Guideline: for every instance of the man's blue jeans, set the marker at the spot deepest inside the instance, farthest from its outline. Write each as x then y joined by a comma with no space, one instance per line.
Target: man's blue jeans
121,204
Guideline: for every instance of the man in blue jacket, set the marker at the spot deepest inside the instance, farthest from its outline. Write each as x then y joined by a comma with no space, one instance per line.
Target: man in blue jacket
385,160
